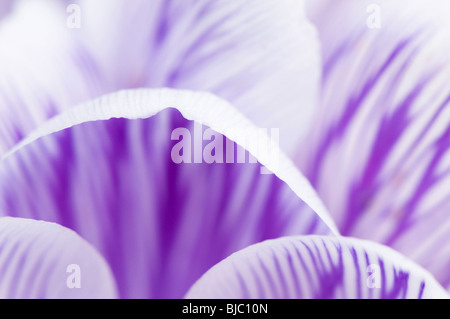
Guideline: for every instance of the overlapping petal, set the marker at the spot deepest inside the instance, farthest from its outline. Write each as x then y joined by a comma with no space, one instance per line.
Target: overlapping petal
316,267
260,55
378,152
45,260
44,68
107,173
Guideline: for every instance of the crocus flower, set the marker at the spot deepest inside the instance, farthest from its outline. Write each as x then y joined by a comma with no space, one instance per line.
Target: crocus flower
94,206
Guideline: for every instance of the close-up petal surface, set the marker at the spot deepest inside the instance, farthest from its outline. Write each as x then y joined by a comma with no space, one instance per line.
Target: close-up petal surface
44,68
111,178
261,55
316,267
44,260
378,151
224,149
269,67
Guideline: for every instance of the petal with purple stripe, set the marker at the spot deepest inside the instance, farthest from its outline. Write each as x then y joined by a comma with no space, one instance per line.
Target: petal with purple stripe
44,68
260,55
107,173
44,260
316,267
378,151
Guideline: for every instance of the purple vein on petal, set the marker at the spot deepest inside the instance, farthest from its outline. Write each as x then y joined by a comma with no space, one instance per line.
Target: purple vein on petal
277,266
353,103
113,181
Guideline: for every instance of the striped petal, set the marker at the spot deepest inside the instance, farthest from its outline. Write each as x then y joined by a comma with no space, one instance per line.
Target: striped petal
45,260
316,267
44,68
107,172
378,152
260,55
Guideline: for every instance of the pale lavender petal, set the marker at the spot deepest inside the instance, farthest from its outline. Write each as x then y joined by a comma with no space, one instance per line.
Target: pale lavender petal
5,8
159,224
44,260
260,55
378,152
317,267
44,68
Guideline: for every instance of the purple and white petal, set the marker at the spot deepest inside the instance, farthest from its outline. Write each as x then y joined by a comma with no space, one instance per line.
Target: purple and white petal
316,267
260,55
44,260
107,172
378,151
44,68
